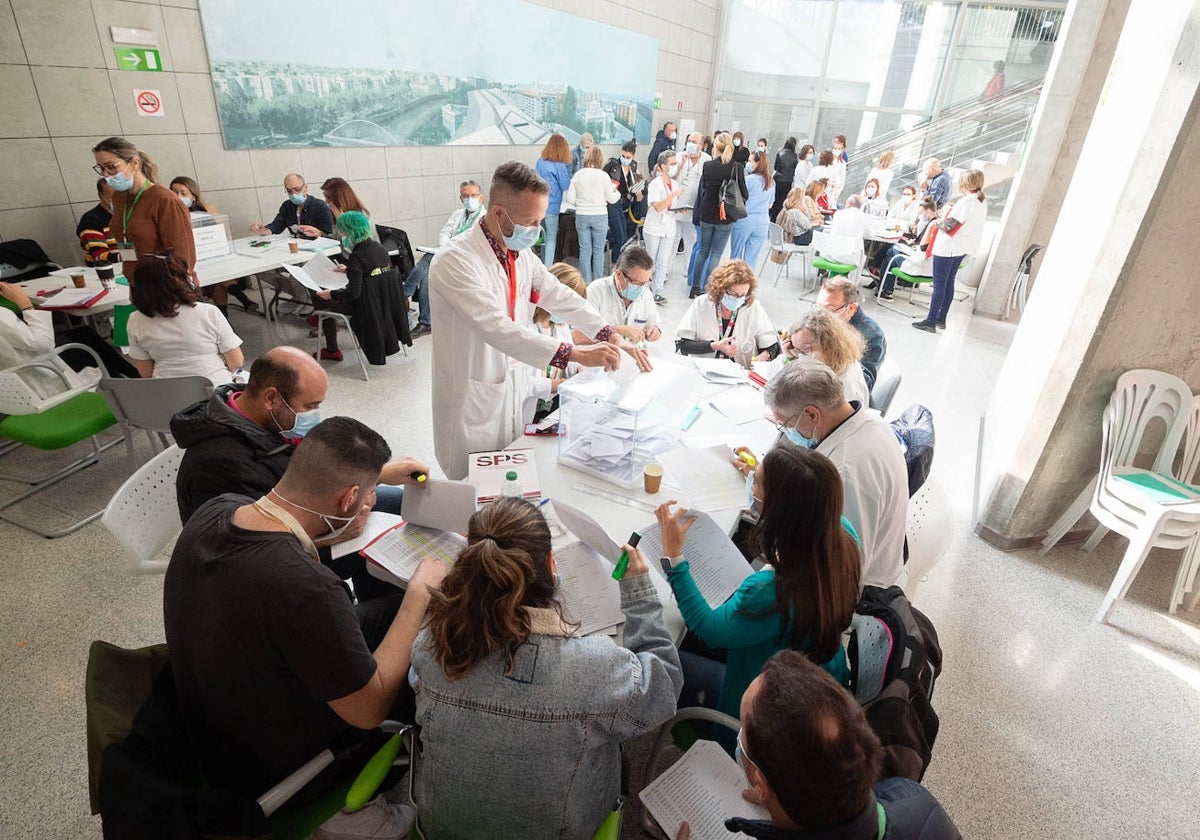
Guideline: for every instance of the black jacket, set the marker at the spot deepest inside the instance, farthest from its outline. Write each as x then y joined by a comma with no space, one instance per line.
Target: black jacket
224,453
613,168
313,212
708,197
661,144
374,292
785,165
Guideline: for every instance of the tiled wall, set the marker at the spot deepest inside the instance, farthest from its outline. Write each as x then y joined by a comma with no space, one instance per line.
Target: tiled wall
60,92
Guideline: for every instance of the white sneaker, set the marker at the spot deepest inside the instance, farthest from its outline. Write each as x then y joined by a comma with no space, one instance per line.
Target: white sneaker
377,820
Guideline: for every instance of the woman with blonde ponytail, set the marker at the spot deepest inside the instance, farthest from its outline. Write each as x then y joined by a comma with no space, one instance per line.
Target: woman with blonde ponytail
715,228
520,717
147,217
958,235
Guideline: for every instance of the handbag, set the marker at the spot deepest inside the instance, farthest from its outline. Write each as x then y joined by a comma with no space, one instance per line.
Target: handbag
733,206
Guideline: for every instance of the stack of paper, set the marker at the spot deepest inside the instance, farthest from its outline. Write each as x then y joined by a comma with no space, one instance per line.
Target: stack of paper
725,371
703,789
318,244
616,449
590,596
710,481
72,299
740,404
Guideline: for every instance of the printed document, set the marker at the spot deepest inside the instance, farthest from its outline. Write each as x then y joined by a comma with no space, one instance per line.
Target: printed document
703,789
318,274
401,549
715,562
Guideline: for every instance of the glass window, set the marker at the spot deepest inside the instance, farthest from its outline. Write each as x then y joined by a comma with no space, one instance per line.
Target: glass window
774,121
775,48
1022,39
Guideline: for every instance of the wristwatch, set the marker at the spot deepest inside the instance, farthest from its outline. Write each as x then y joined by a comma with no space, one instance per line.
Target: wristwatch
669,563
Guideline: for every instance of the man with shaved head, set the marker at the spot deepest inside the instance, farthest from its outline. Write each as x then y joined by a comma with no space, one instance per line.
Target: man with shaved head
300,208
241,439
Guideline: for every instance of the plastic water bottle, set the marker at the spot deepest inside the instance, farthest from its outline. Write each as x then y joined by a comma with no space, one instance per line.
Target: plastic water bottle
511,486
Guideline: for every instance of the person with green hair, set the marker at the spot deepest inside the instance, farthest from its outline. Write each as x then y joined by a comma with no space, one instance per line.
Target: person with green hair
372,297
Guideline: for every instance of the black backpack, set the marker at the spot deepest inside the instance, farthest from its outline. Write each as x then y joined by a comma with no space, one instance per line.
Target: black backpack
895,659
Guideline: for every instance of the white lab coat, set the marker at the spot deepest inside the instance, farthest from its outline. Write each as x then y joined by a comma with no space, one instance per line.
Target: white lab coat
477,390
30,337
854,384
458,223
868,456
642,312
752,329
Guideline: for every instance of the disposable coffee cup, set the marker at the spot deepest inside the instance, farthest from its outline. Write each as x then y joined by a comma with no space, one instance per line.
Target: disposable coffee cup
79,279
652,477
294,247
107,277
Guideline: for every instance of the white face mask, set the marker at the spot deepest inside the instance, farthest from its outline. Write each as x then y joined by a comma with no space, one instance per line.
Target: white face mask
334,533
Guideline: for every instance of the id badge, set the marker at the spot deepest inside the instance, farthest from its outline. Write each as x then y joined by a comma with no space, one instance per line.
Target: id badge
127,251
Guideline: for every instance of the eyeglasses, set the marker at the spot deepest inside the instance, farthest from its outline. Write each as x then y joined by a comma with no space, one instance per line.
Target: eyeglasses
111,168
295,190
817,306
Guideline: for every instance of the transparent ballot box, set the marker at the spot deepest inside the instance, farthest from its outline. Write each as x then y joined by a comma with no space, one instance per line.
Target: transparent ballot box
212,234
612,425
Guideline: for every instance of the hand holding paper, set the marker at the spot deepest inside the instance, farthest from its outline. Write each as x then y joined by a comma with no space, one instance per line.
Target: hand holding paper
674,527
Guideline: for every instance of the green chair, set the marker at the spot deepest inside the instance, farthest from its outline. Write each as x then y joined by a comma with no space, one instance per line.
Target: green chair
827,243
117,686
74,414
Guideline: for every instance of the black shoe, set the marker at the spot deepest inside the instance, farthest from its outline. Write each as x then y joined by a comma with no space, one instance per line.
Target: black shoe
421,329
886,296
694,292
941,325
660,300
874,284
926,326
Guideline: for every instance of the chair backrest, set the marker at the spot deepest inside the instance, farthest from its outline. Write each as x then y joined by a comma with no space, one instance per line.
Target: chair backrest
1139,398
150,403
929,528
143,514
1191,446
886,382
835,247
18,396
774,235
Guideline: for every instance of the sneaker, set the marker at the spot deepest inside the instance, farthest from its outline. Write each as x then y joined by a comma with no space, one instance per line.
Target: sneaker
925,326
421,329
941,325
886,295
660,300
377,820
330,355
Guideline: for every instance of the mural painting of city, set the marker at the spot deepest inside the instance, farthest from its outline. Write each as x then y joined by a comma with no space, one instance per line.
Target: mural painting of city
431,91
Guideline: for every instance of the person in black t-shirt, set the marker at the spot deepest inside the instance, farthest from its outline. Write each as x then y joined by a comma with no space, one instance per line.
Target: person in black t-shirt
269,660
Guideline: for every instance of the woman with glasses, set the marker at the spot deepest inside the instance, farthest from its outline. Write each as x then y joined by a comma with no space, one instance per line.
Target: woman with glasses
193,199
728,322
803,598
147,217
825,337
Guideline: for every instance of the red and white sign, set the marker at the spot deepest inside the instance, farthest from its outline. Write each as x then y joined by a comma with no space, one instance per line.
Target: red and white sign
149,103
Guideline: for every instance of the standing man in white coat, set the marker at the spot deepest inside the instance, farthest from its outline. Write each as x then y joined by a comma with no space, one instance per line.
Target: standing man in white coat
482,289
808,402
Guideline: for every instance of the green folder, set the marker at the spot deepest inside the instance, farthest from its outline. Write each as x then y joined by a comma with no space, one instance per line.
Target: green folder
1162,488
121,313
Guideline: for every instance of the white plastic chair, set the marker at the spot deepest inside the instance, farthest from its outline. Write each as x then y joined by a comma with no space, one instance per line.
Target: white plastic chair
775,242
143,514
344,320
929,529
149,405
842,249
1147,519
886,383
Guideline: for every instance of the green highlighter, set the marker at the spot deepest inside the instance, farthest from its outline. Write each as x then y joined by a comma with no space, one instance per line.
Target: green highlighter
623,561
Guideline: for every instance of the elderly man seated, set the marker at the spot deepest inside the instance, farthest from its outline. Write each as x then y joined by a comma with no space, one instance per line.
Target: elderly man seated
810,407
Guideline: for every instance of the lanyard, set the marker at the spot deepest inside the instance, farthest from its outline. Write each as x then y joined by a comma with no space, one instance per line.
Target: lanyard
273,510
468,218
732,320
128,211
510,268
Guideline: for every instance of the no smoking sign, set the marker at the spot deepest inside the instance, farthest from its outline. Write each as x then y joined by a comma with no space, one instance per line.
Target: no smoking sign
149,103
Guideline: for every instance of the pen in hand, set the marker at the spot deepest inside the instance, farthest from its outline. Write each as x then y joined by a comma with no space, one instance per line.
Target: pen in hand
623,561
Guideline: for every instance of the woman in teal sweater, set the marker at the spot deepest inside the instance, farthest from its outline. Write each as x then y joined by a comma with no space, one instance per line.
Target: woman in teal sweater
803,598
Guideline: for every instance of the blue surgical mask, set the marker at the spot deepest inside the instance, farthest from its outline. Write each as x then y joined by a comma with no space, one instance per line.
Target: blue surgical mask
740,754
302,424
347,243
297,198
733,304
334,533
737,142
691,148
626,161
632,291
120,182
554,319
522,237
751,500
187,201
471,203
749,168
799,439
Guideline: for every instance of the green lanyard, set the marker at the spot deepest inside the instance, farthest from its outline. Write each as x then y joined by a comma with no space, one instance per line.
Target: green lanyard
882,822
129,210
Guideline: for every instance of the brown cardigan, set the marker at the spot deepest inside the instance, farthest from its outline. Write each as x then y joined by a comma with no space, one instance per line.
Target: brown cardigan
159,221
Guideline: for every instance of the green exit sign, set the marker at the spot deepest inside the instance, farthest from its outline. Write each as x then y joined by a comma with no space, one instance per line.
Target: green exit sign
138,58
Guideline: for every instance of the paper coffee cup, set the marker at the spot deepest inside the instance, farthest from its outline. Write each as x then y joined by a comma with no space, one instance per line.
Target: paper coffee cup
79,279
652,477
294,247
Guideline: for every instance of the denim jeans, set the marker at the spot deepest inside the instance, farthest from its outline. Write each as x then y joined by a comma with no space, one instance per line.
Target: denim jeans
944,269
691,246
551,239
618,230
662,251
713,239
591,230
416,287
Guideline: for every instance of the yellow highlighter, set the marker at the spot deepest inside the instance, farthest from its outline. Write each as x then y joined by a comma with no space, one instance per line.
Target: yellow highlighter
747,457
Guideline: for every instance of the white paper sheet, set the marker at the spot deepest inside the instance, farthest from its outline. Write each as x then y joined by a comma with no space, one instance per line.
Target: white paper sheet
703,789
402,549
318,244
588,530
70,298
719,370
590,596
377,523
740,404
768,369
715,562
440,504
318,274
711,482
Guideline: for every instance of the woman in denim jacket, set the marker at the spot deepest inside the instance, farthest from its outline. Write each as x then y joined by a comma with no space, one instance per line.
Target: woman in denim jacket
521,718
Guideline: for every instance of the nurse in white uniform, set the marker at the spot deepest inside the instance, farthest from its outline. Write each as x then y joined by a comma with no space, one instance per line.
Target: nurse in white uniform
481,291
728,321
625,300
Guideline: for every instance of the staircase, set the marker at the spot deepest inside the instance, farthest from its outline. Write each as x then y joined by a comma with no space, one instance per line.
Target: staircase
988,136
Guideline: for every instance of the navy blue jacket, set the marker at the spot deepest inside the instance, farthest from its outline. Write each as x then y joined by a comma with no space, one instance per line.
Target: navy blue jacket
313,212
876,348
